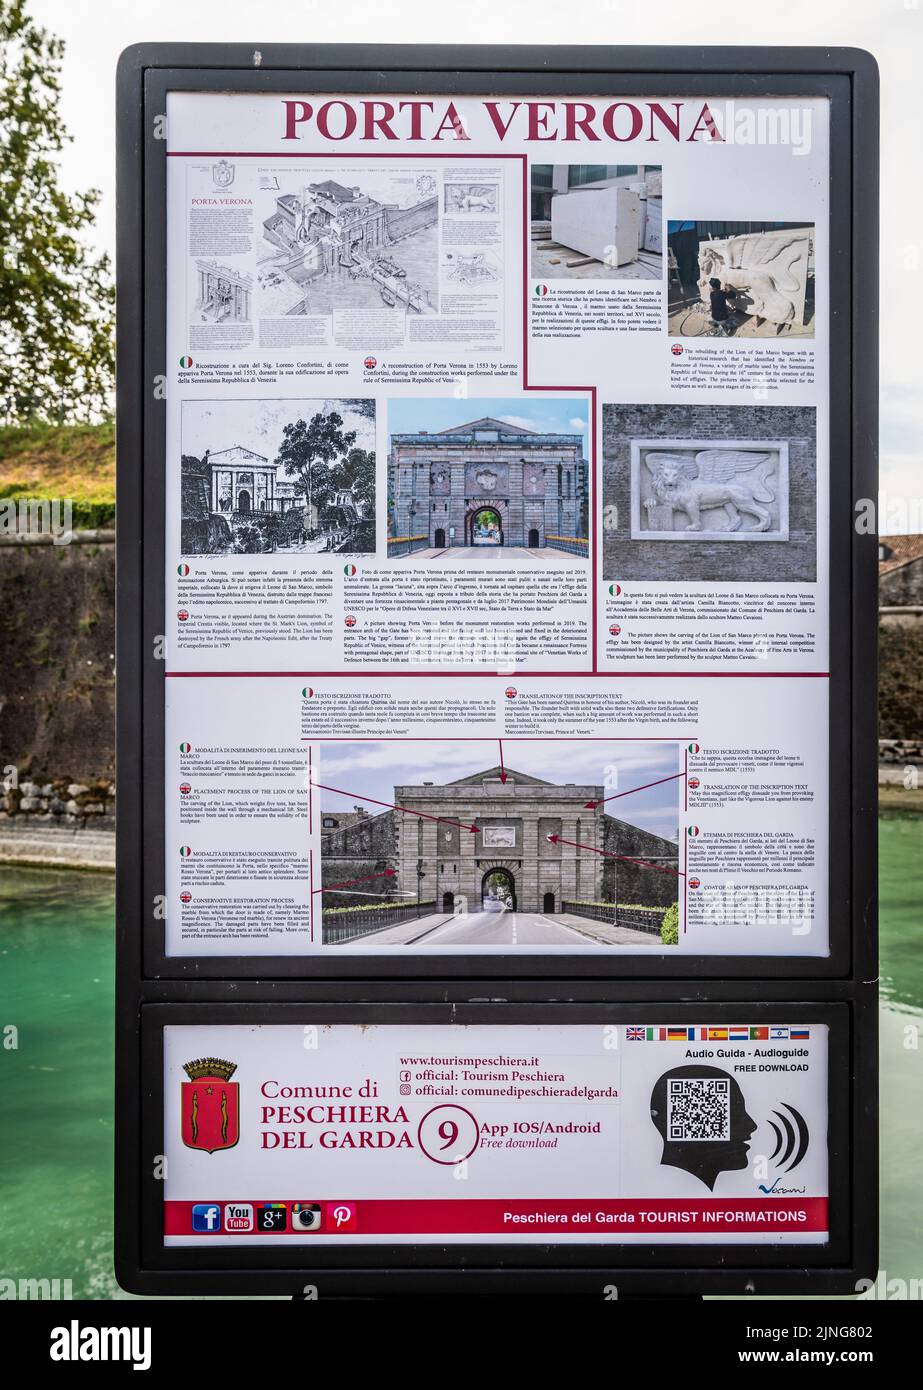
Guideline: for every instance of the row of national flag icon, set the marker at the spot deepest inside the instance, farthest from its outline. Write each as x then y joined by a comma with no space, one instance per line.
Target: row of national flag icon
723,1033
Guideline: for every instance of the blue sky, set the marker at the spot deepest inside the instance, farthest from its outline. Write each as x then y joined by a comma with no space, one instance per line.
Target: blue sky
568,415
373,770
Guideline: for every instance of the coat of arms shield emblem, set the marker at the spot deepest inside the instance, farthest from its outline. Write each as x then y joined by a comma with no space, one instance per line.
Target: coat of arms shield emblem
223,174
210,1101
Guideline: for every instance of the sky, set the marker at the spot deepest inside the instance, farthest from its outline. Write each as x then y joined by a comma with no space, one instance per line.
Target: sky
548,415
97,30
360,771
259,425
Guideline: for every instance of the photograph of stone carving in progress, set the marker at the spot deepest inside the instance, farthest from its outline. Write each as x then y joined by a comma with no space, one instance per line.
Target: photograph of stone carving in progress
548,844
362,242
596,221
709,492
495,480
740,279
266,477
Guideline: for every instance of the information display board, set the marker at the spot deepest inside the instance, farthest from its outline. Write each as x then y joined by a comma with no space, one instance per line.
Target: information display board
497,609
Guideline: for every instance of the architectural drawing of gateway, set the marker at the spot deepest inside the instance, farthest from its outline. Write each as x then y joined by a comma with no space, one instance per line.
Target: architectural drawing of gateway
487,483
327,229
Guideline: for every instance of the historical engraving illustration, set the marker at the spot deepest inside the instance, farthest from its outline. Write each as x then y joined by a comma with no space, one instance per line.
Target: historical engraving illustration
368,244
481,198
224,294
267,476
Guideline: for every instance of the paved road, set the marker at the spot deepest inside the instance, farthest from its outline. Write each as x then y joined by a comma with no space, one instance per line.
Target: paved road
466,555
502,929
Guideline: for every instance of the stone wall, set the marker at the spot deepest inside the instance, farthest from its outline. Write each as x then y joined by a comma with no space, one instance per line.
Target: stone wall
357,852
633,884
754,561
57,673
403,221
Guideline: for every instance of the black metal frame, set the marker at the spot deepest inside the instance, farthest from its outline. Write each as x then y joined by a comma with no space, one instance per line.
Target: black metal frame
145,976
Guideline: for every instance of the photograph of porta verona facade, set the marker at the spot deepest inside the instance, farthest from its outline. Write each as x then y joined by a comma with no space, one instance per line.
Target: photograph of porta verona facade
487,484
547,852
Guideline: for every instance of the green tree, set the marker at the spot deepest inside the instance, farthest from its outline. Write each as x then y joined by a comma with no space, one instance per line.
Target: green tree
56,299
357,472
307,451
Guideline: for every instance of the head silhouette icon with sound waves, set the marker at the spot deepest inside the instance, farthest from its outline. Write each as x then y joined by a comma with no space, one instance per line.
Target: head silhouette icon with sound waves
701,1116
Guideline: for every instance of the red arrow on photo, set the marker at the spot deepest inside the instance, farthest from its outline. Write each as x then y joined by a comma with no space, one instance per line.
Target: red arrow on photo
502,768
591,805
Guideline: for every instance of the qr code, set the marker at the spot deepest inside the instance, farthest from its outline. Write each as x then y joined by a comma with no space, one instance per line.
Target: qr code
699,1108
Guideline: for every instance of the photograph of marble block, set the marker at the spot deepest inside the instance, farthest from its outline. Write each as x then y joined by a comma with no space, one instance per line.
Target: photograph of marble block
769,271
693,493
596,222
696,490
604,223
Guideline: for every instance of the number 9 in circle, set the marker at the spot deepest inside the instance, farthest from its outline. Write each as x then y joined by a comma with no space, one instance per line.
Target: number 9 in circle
448,1134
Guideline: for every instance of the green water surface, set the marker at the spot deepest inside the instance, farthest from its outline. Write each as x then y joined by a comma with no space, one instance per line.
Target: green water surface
56,988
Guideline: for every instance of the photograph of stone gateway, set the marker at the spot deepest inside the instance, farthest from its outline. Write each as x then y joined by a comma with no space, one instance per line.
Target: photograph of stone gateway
488,480
709,492
500,855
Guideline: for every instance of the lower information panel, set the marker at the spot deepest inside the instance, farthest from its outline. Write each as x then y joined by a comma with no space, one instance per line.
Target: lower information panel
635,1126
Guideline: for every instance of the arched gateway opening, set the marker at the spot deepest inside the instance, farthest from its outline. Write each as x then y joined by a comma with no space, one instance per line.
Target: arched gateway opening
498,891
486,527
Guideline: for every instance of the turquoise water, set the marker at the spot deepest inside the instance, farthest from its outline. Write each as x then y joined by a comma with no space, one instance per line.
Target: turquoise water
56,968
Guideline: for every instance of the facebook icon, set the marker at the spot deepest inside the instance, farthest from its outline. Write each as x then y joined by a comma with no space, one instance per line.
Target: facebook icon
206,1217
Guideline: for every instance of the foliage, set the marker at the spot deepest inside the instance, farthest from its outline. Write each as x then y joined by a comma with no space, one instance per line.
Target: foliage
56,299
248,539
75,461
356,474
309,448
669,927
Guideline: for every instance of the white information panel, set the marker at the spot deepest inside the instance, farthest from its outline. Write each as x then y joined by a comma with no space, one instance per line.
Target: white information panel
384,1134
497,512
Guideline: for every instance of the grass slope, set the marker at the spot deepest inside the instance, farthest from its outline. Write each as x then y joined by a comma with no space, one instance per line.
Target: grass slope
62,461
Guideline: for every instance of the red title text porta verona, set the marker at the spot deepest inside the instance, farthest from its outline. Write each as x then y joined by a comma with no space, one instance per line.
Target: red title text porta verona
427,121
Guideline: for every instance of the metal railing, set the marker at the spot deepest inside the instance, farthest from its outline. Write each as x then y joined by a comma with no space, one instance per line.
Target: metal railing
572,545
347,926
646,919
406,545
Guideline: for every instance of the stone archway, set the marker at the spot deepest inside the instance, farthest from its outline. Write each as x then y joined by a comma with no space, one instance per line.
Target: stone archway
498,891
486,526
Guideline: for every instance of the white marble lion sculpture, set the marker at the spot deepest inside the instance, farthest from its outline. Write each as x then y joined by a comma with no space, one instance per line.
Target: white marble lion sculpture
736,480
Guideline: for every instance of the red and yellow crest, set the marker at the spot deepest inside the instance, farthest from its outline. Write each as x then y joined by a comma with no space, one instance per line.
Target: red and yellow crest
211,1112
